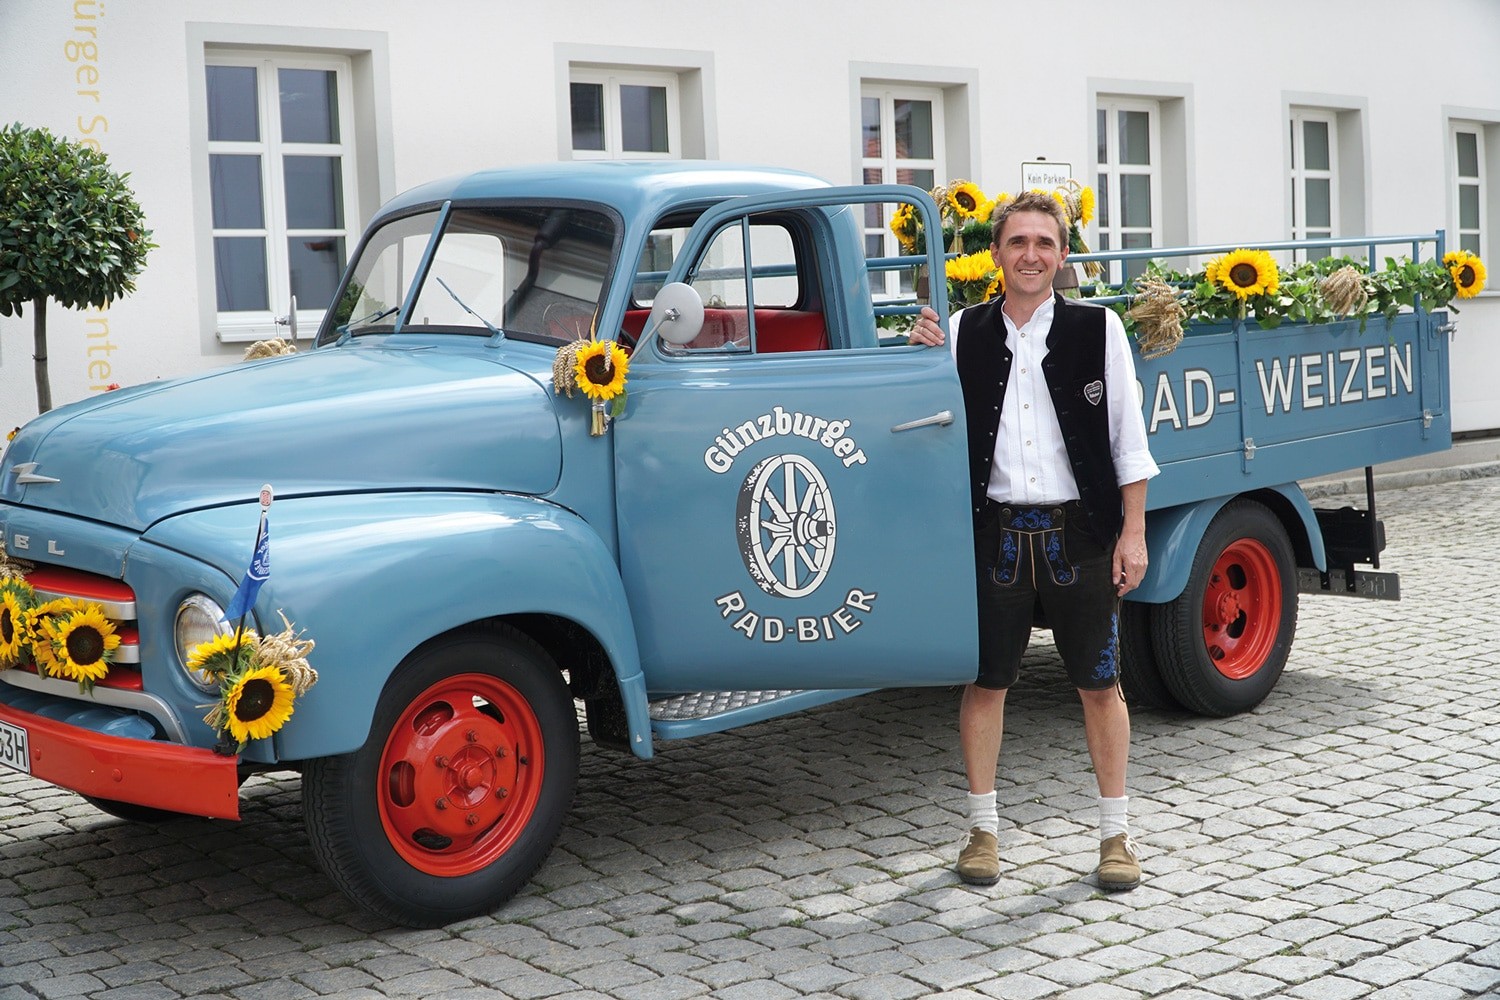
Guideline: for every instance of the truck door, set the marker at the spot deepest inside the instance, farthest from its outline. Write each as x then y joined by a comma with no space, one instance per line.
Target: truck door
793,510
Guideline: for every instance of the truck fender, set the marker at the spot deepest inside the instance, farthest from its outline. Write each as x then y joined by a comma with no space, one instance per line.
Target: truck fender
1174,533
370,578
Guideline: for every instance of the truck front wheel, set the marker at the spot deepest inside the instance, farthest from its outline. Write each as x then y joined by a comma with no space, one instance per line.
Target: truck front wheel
461,789
1222,644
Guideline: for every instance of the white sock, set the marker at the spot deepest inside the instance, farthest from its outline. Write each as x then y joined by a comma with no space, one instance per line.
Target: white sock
983,814
1114,816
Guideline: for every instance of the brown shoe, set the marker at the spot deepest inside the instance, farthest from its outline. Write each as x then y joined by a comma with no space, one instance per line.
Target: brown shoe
979,861
1119,868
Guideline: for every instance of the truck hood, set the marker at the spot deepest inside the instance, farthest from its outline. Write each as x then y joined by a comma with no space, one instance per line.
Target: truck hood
361,418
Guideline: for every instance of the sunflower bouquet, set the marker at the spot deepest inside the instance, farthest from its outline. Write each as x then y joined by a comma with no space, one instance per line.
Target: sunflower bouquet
597,368
259,677
63,638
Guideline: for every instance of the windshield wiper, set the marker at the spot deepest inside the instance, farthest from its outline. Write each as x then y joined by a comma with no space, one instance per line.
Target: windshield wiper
465,307
370,320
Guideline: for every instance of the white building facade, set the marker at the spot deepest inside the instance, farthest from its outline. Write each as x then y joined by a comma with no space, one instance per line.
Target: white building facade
260,136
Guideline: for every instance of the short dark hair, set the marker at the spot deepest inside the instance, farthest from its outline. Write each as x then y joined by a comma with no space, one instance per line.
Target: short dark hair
1030,201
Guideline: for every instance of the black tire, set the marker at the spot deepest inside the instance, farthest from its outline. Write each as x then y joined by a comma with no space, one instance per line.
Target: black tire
132,813
1222,644
1140,676
490,720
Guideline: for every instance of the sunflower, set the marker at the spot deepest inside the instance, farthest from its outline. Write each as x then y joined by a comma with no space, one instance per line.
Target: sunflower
601,369
1468,273
970,267
966,200
996,286
83,644
1246,273
40,625
904,225
256,704
14,638
217,656
1085,206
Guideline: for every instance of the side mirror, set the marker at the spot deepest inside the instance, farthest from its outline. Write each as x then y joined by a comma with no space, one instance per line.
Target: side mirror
676,315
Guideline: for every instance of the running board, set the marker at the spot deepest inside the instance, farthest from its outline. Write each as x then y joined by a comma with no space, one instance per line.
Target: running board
1350,583
715,711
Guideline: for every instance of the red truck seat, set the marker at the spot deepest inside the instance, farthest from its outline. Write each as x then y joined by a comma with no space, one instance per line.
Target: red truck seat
776,330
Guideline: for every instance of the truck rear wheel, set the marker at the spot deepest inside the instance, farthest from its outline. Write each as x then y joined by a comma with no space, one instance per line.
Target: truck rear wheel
458,795
1223,643
1140,675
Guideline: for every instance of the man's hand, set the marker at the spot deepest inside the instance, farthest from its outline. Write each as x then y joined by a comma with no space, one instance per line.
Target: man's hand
1130,561
926,331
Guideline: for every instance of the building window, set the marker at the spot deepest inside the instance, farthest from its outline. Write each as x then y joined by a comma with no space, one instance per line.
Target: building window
901,142
1469,194
1127,135
624,114
282,189
1314,177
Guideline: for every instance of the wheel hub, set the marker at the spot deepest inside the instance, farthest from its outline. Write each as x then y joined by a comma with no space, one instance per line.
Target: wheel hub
458,779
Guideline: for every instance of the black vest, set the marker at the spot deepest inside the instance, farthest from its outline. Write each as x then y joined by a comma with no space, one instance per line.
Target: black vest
1074,372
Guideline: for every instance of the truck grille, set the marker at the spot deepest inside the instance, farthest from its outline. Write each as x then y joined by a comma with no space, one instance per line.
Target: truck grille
118,603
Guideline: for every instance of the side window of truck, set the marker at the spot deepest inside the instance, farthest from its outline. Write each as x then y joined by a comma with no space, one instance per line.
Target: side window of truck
751,268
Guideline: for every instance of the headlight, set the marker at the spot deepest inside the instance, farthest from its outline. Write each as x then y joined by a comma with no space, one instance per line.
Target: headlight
197,621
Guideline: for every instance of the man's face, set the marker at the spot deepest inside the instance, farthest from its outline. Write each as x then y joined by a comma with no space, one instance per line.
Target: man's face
1028,251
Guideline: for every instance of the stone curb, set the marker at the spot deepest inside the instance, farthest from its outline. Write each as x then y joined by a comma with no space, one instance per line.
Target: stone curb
1399,480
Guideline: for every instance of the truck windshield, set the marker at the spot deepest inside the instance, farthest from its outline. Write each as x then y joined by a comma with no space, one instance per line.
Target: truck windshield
533,271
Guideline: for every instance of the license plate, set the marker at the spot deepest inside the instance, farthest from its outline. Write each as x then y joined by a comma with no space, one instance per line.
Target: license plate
14,751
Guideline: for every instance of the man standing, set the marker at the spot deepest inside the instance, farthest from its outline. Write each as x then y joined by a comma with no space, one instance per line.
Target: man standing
1058,467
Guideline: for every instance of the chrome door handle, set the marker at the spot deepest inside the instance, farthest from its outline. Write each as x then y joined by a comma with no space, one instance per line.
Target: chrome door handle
942,419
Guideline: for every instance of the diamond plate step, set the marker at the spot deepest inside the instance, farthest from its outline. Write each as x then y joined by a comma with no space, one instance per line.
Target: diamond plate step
705,704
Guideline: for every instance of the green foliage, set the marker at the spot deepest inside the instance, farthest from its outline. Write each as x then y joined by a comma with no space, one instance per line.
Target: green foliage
70,227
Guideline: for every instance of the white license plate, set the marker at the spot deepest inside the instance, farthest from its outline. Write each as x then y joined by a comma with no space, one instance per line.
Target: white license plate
14,751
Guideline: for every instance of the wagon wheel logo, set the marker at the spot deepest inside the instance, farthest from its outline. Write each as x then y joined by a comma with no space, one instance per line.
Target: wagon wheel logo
785,523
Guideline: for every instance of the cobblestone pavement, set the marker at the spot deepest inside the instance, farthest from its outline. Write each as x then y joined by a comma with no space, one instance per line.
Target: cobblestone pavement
1341,841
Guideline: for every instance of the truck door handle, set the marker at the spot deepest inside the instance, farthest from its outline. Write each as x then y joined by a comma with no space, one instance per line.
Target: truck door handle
942,419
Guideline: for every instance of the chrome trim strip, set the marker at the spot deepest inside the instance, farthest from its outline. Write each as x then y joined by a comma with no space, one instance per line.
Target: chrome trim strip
120,611
137,701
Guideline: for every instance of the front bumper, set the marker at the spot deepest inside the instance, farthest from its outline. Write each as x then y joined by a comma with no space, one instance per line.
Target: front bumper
144,772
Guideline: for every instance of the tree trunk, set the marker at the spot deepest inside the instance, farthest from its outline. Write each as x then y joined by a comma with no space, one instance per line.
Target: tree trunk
39,326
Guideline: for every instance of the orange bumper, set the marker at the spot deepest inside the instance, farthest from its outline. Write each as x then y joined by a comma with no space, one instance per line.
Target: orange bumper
166,776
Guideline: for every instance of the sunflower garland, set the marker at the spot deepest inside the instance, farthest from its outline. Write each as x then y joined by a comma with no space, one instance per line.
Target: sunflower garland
260,679
1244,282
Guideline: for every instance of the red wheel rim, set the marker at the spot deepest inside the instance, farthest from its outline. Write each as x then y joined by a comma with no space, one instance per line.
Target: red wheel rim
461,775
1242,609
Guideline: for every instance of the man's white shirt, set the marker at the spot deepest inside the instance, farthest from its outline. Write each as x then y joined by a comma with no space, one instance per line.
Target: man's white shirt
1031,461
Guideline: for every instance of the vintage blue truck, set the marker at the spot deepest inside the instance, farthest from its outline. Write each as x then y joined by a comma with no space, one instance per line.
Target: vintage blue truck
776,518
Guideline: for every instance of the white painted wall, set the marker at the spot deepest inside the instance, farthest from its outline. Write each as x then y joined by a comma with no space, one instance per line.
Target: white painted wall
463,84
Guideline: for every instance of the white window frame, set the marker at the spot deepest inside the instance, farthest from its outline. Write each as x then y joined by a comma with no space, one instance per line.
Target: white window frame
888,163
1457,181
611,79
248,325
1111,235
1301,174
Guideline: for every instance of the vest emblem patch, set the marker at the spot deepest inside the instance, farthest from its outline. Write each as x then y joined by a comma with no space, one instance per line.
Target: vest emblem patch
1093,392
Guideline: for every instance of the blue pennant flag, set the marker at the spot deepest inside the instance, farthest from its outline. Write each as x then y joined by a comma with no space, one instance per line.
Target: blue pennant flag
260,564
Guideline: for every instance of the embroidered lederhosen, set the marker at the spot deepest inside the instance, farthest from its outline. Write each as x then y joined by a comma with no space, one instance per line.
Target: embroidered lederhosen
1071,543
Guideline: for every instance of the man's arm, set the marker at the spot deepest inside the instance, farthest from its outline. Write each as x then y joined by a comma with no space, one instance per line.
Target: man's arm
1130,551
